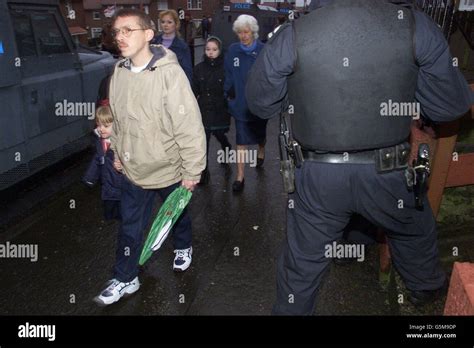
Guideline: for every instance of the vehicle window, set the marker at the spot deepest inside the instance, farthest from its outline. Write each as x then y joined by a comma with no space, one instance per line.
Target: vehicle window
48,34
23,34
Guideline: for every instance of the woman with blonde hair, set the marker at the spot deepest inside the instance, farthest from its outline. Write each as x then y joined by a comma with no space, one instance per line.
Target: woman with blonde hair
170,38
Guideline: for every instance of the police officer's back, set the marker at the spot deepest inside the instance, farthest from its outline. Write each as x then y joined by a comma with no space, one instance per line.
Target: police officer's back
352,75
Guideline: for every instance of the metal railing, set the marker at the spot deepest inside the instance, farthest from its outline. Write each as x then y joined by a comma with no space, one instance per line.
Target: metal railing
442,12
451,14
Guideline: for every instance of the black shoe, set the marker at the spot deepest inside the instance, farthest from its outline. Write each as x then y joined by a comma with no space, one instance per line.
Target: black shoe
420,298
238,186
260,162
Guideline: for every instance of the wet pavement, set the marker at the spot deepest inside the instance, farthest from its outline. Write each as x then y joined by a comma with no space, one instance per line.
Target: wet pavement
236,238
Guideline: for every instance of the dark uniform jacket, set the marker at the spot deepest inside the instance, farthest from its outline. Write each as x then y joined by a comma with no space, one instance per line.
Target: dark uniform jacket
208,87
442,90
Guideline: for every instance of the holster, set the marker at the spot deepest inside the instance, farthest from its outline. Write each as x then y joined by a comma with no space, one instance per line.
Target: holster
417,175
288,155
287,170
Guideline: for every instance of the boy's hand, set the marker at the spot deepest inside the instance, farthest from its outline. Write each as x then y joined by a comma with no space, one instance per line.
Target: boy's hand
118,165
189,184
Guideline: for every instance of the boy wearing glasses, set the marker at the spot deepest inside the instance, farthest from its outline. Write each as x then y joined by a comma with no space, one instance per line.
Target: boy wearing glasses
158,140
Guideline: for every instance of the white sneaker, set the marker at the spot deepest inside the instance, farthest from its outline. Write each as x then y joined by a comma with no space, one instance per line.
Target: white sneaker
116,290
183,259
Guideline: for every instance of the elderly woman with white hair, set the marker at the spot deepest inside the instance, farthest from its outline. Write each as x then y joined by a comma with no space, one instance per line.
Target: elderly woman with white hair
250,130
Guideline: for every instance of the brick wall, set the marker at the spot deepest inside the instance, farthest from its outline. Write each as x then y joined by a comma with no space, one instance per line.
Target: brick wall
85,18
208,7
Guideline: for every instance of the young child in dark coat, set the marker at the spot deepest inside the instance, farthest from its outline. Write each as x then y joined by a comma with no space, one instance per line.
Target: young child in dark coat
101,168
208,87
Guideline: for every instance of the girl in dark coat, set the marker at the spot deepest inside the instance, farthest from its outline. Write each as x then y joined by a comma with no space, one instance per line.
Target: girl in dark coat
208,86
101,168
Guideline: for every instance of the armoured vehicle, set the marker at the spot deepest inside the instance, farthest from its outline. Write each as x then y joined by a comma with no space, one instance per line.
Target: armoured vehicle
48,88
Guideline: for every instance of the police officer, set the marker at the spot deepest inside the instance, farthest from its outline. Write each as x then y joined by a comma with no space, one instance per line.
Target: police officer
336,70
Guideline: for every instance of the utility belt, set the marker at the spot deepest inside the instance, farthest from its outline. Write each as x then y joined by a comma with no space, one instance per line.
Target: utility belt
385,159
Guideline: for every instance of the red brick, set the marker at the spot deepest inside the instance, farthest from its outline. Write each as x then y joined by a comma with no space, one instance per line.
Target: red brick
460,299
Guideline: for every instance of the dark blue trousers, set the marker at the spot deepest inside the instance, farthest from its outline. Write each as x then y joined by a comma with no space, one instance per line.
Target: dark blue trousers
326,197
136,208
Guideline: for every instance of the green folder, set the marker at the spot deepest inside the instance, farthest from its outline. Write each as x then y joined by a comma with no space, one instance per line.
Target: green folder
169,212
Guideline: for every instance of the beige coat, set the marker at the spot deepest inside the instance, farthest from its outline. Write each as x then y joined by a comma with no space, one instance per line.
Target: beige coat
157,133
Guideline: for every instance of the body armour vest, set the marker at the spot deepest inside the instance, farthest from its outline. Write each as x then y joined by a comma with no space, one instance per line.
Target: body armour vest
353,86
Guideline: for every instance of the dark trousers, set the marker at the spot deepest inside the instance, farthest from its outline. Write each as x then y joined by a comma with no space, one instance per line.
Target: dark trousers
112,210
360,230
221,138
326,197
136,209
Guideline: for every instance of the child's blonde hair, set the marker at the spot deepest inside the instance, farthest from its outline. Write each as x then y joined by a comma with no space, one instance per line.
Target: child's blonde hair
103,115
